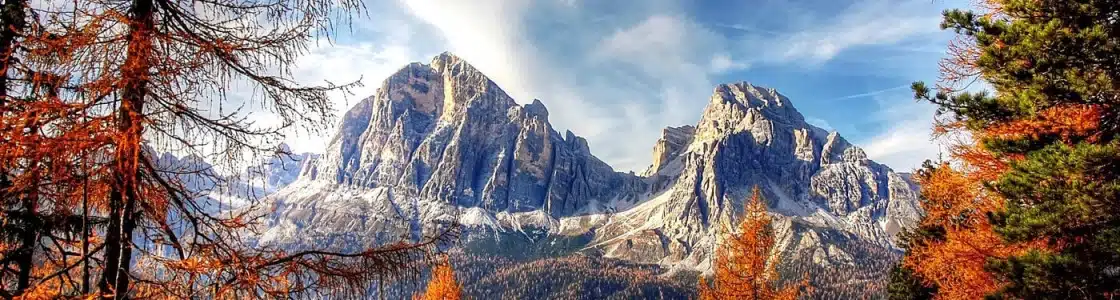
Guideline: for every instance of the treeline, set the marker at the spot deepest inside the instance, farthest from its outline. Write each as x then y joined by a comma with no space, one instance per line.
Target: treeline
864,277
575,276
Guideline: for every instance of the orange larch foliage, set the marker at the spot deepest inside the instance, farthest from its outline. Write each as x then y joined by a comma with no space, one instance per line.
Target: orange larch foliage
955,198
743,269
1069,120
705,290
91,206
956,201
443,285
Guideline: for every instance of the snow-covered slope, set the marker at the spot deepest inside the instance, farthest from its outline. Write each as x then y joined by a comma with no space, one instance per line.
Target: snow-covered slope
440,141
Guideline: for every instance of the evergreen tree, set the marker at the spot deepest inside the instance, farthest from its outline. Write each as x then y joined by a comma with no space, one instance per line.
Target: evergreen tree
1029,207
904,285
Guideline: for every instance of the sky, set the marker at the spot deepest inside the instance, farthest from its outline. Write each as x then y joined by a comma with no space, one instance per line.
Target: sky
617,72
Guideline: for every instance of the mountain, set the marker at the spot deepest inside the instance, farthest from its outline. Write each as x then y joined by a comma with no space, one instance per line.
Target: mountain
752,136
224,191
444,132
441,141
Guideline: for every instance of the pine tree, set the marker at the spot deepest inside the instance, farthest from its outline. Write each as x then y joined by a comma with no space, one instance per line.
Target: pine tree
743,269
1029,205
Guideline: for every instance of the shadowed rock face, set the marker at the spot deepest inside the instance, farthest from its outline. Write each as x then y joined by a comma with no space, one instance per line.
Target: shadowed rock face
752,136
444,132
440,141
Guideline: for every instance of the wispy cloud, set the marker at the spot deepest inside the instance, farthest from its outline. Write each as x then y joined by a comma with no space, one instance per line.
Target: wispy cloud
872,93
617,72
819,123
862,24
907,136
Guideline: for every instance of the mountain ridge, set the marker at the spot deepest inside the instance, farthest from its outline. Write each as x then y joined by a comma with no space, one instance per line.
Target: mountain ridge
441,141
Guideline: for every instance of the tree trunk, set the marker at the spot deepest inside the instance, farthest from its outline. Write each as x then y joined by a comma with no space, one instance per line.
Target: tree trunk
12,22
112,245
134,74
85,226
30,223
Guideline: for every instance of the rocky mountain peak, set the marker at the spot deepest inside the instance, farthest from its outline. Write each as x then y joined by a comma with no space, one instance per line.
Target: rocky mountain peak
536,109
441,138
673,142
446,132
443,60
734,101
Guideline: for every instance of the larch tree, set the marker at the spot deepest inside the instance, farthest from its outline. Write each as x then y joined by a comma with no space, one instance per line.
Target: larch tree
743,268
42,139
1028,206
13,210
443,285
102,84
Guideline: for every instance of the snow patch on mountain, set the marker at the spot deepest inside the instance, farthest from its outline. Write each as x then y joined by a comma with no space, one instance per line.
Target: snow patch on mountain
440,141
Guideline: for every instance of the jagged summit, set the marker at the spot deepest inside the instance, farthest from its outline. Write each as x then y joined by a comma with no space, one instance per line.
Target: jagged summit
673,142
446,132
758,94
536,109
441,140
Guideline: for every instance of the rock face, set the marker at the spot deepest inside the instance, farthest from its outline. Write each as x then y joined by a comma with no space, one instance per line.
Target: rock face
444,132
752,136
440,141
672,143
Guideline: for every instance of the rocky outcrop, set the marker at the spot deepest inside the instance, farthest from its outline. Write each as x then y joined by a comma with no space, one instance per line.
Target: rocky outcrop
444,132
442,141
748,137
671,144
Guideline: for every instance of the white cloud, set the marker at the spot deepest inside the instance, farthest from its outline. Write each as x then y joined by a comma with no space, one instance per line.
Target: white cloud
611,108
616,80
679,56
723,63
343,64
907,140
662,43
497,46
819,123
486,33
873,93
877,22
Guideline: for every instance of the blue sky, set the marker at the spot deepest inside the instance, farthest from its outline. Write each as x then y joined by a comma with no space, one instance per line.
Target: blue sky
617,72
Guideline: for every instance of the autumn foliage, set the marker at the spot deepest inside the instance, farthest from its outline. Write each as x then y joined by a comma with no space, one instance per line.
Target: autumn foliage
1026,204
91,90
743,268
443,285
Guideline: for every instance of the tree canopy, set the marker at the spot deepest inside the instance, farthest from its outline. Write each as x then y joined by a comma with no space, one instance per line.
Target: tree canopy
91,89
743,265
1028,203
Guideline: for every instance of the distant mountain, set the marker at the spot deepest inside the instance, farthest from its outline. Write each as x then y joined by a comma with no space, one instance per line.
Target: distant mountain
256,181
752,136
441,141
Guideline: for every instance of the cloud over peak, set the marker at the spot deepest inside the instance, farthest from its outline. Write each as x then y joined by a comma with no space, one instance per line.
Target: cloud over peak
617,72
